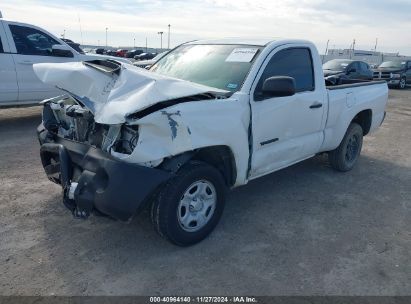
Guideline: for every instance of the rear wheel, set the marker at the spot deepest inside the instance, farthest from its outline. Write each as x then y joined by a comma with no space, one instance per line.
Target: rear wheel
345,156
190,205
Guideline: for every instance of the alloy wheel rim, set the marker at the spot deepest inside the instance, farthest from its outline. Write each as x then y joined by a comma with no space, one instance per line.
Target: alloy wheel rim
402,83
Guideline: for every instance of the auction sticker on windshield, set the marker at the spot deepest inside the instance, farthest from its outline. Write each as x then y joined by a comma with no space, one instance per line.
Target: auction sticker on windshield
242,55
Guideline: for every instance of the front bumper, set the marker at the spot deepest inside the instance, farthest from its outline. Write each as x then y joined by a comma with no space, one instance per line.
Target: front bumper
93,179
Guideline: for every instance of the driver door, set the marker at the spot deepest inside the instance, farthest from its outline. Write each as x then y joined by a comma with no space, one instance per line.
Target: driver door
286,129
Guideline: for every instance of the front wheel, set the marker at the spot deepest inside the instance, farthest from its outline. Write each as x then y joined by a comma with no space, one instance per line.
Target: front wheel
403,83
344,157
190,205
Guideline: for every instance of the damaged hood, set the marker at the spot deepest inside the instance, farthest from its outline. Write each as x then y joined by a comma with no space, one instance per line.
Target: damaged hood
114,93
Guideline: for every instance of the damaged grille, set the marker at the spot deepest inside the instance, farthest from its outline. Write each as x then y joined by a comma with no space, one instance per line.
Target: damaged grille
69,120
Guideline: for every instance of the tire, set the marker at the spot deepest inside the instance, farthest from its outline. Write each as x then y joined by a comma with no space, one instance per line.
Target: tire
190,205
345,156
403,83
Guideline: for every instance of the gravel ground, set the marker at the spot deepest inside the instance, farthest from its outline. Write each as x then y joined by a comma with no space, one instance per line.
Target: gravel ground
305,230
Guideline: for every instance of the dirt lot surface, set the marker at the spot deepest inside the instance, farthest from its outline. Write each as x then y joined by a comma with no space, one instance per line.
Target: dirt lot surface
301,231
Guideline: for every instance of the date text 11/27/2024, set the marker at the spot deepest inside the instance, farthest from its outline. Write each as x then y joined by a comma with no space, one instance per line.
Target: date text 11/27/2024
199,299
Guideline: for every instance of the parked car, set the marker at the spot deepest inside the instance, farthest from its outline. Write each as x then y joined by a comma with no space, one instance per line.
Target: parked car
145,56
110,53
397,73
337,69
133,53
240,109
147,63
121,52
21,46
99,51
74,45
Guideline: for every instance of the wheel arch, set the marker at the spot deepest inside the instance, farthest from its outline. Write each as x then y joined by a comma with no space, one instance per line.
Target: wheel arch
364,119
220,157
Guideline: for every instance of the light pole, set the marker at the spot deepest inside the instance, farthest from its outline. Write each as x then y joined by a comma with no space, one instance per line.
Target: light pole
168,44
64,34
326,50
106,36
134,42
161,39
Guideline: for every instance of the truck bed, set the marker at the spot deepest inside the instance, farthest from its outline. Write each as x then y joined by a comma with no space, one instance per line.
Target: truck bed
347,100
350,83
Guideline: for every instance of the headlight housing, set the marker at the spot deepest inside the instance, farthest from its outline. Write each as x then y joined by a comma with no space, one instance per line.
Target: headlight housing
395,75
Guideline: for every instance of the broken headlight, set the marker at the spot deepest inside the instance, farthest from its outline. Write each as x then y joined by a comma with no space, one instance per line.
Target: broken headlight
127,140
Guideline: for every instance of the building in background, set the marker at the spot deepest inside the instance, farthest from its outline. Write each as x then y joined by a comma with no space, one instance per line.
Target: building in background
371,57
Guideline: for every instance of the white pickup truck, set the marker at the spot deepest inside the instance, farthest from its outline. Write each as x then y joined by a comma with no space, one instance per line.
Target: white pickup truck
209,116
21,46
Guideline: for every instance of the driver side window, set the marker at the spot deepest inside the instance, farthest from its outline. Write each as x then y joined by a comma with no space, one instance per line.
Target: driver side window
353,67
30,41
364,66
293,62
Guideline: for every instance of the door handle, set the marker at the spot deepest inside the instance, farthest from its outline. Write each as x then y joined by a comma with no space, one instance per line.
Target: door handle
316,105
268,141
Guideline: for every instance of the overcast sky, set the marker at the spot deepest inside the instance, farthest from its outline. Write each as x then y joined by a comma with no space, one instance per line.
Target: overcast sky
316,20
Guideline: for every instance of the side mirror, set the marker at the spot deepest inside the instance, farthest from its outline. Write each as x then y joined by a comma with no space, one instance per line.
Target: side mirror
278,86
352,70
61,50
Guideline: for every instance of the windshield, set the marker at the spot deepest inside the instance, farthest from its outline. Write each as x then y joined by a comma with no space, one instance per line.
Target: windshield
336,65
158,56
393,64
220,66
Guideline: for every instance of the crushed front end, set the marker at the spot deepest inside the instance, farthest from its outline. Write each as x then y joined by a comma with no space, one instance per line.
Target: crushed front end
77,153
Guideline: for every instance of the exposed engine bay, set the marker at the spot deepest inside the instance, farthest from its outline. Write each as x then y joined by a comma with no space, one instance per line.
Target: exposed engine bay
65,117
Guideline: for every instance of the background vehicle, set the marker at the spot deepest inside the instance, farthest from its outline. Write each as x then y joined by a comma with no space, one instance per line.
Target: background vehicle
133,53
337,69
147,63
240,109
74,45
121,52
145,56
396,73
21,46
110,53
99,51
